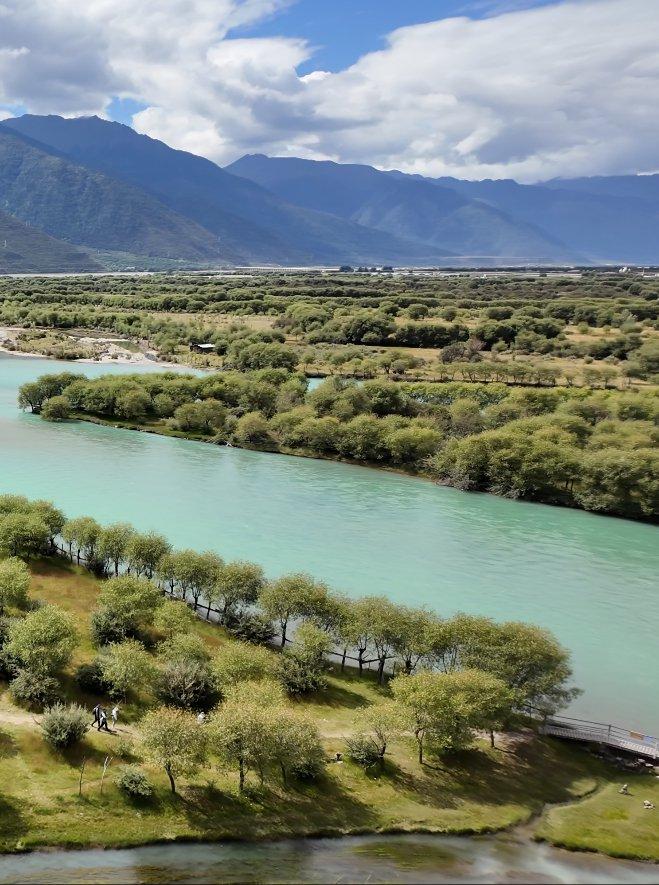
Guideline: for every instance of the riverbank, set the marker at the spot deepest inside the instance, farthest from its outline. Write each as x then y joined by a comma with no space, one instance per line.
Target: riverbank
476,791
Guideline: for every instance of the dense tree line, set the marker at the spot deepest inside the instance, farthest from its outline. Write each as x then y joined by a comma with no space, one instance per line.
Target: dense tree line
595,449
516,314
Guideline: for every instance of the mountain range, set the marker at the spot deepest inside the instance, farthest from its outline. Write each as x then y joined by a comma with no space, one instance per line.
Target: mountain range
84,193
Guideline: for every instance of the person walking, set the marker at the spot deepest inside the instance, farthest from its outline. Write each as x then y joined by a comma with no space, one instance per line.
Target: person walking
103,721
97,714
114,715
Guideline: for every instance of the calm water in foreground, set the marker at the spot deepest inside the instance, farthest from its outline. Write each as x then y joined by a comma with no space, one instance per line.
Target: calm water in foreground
590,579
394,859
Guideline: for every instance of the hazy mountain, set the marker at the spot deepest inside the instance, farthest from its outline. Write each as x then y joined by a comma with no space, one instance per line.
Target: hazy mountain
25,249
248,219
606,219
406,206
85,207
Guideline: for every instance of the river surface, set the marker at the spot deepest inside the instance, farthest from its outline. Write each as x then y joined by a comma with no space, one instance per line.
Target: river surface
592,580
368,859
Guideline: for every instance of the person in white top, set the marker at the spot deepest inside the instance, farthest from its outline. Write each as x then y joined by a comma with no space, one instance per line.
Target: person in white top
115,715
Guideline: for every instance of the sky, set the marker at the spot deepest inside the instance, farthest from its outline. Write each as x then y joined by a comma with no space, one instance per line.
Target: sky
524,89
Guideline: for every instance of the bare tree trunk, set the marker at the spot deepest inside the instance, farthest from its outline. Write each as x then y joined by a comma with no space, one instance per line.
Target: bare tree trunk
168,769
82,771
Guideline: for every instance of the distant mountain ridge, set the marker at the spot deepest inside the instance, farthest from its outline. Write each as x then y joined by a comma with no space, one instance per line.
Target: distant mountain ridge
25,249
406,206
248,221
98,187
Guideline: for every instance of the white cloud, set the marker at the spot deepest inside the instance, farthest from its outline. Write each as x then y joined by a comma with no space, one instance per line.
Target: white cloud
566,89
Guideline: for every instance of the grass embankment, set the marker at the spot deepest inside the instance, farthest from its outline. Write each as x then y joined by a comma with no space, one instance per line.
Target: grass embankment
477,791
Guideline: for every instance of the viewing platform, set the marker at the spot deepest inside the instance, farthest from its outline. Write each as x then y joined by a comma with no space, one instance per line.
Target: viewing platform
598,733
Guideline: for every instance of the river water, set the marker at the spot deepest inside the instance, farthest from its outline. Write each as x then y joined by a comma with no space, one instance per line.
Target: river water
369,859
592,580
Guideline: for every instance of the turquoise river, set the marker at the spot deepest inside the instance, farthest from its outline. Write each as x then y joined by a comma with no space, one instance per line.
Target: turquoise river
592,580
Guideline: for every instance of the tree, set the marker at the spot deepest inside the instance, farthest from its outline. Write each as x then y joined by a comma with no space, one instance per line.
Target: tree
173,618
241,731
410,639
444,708
527,659
134,601
22,534
188,684
304,663
83,532
56,408
296,745
241,662
113,543
127,666
184,647
253,429
381,723
413,444
192,572
175,740
43,641
14,583
51,516
144,552
205,416
289,597
238,583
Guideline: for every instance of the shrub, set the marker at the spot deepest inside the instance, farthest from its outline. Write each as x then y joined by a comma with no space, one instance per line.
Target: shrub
34,690
106,626
64,726
188,684
363,750
134,783
90,678
251,627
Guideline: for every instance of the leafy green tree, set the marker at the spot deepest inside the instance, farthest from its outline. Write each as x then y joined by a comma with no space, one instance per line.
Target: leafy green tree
206,416
173,618
134,601
14,583
44,640
241,732
83,532
252,429
380,723
303,664
144,552
292,596
296,745
527,659
113,543
174,740
238,584
241,662
184,647
127,666
188,684
22,534
443,708
56,408
411,637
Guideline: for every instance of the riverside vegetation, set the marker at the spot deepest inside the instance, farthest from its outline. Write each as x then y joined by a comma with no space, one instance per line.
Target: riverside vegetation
420,746
579,447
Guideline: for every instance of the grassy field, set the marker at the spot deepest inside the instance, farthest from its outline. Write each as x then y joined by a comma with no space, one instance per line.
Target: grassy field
609,822
476,791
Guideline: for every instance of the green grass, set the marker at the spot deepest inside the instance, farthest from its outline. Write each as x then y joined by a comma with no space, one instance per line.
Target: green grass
476,791
609,822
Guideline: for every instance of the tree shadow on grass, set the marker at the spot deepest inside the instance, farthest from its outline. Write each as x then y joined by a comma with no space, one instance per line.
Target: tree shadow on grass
320,808
8,746
12,822
528,775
